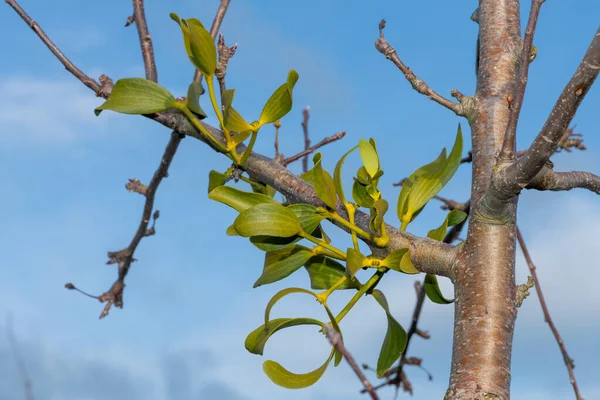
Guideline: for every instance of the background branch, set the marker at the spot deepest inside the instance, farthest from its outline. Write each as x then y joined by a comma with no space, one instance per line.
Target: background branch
419,85
305,116
508,145
139,17
310,150
568,361
516,176
21,368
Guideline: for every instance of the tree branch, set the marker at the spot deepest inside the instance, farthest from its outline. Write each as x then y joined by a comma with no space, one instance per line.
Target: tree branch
86,80
508,145
420,86
336,341
305,116
312,149
427,255
214,29
14,345
547,179
512,179
139,17
568,361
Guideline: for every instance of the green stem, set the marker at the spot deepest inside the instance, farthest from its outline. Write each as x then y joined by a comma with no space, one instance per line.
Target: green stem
322,297
351,211
322,251
210,84
353,228
325,245
249,148
364,289
194,121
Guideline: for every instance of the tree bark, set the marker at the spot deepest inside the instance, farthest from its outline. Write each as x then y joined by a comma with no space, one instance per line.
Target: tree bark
485,289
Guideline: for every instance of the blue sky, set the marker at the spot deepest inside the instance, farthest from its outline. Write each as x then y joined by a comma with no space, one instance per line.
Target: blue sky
189,303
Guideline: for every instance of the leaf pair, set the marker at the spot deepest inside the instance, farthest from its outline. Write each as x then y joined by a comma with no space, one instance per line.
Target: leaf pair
199,45
427,181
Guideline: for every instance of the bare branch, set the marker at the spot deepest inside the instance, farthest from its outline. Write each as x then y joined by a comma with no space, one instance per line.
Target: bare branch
86,80
310,150
568,361
420,86
336,341
547,179
305,116
518,175
139,17
216,25
12,340
508,145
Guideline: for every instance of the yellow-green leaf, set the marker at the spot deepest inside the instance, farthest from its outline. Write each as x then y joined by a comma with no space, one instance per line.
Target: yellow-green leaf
215,179
193,99
322,182
199,45
393,260
289,380
369,157
354,261
337,175
281,294
454,217
282,263
433,291
267,219
238,199
395,339
256,340
406,265
324,272
280,102
360,195
137,96
377,212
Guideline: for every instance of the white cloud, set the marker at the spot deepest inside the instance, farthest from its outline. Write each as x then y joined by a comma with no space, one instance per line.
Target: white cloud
45,111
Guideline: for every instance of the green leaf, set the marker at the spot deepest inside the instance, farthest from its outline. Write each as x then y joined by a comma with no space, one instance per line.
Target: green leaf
395,339
324,272
308,216
393,260
289,380
360,195
238,199
454,217
354,261
199,45
256,340
322,182
231,231
268,219
433,291
282,263
137,96
369,157
280,102
337,175
215,179
378,210
434,178
193,99
309,220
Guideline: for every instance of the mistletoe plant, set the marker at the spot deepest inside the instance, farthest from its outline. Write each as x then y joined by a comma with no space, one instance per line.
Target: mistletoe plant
292,235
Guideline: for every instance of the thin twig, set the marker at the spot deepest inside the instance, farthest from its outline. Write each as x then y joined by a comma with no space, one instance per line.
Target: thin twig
305,116
547,179
214,29
336,341
419,85
568,360
86,80
277,125
306,152
19,359
139,17
508,145
225,53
